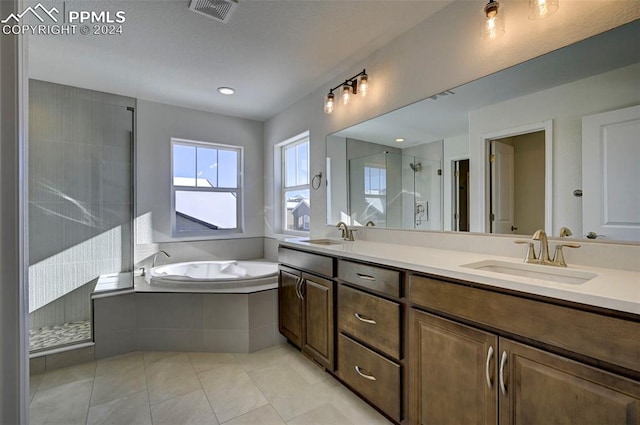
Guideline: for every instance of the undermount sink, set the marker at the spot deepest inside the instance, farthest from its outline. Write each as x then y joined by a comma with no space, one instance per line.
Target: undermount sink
534,271
323,241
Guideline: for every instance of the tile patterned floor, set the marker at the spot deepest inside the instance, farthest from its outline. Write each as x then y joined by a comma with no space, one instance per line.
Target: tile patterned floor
275,386
55,336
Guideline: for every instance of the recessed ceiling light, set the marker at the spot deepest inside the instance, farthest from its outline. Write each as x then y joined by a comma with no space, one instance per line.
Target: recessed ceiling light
226,90
400,140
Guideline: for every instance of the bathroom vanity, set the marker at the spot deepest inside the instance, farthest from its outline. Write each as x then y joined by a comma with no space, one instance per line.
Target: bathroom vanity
431,336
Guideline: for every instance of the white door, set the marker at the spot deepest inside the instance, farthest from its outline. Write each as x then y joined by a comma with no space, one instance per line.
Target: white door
502,188
611,174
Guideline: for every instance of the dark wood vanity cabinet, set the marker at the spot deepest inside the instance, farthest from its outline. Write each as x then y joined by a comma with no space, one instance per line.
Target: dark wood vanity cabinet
370,351
462,373
306,303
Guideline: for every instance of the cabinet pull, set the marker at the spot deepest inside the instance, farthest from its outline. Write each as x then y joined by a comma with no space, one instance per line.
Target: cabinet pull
364,375
365,276
362,319
503,362
298,287
301,288
486,371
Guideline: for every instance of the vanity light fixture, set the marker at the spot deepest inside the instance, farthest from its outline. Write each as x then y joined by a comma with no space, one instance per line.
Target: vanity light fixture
493,26
539,9
226,90
359,83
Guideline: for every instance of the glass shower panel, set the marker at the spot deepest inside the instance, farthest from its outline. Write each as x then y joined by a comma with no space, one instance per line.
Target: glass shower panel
427,194
80,206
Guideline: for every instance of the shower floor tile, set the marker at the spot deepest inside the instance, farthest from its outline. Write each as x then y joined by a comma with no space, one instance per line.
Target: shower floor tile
59,335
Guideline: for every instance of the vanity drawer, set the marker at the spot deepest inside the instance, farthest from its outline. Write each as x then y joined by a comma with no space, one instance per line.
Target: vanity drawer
370,319
307,261
371,375
371,277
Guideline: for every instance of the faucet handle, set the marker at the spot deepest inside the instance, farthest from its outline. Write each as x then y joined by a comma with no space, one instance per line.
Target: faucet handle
350,234
531,252
558,256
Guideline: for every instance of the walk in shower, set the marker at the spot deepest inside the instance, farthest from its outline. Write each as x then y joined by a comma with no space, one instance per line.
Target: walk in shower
80,168
395,190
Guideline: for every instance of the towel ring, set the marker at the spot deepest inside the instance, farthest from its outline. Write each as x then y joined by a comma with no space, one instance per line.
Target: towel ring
318,178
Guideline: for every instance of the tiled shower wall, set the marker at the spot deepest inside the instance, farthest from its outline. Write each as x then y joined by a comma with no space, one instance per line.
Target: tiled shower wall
80,188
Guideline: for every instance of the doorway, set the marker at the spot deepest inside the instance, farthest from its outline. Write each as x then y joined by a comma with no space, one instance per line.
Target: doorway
461,195
518,183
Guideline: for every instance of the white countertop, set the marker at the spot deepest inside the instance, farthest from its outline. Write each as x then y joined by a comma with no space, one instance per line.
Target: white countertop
611,288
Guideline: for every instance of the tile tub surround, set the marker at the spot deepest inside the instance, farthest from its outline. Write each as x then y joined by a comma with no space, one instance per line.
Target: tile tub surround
207,322
274,386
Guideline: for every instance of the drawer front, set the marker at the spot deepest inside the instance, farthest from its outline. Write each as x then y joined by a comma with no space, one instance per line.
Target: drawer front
314,263
600,337
371,375
370,319
371,277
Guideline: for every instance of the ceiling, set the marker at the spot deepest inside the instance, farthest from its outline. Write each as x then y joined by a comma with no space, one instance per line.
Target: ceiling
272,52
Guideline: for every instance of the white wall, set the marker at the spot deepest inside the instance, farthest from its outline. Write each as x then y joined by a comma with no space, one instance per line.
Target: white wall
565,105
444,51
156,125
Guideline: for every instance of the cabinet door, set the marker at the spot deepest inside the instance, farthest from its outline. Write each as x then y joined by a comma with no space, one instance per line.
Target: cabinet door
453,372
289,306
542,388
319,330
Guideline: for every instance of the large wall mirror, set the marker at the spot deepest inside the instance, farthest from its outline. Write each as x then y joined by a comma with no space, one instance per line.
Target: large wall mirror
551,143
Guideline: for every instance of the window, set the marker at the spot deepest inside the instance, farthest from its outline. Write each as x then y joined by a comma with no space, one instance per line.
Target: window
375,180
206,188
295,185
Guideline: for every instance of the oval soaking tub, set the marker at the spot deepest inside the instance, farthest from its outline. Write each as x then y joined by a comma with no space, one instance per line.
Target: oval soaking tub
213,274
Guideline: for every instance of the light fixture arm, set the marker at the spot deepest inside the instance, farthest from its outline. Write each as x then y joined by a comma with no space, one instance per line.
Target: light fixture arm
353,82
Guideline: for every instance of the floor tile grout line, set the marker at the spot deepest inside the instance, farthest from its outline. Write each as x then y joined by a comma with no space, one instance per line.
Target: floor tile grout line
207,396
93,383
264,395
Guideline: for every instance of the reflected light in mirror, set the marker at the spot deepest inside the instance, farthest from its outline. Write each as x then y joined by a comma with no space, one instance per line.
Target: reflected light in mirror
539,9
399,140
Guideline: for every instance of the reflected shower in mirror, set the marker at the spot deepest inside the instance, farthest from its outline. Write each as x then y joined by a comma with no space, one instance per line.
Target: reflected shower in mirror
386,185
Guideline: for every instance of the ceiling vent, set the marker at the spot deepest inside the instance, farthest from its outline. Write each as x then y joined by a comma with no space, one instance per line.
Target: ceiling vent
220,10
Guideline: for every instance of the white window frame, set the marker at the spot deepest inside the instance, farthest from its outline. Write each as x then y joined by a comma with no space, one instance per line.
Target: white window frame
280,167
209,233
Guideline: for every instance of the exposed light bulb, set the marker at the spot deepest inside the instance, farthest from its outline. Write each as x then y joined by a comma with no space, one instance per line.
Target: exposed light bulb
364,84
539,9
329,103
346,93
493,26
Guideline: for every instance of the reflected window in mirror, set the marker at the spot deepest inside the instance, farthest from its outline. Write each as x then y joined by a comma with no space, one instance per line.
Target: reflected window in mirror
295,192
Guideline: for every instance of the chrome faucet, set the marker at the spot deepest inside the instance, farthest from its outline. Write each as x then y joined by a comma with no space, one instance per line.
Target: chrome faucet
346,234
155,257
543,257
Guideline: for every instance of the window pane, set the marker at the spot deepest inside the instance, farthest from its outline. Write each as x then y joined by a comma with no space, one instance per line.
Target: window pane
290,166
227,168
184,163
202,211
297,207
303,164
207,167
